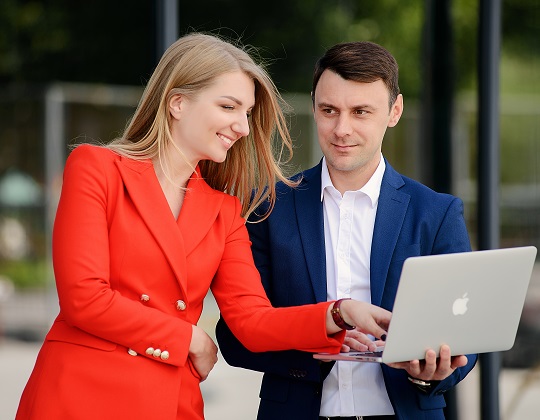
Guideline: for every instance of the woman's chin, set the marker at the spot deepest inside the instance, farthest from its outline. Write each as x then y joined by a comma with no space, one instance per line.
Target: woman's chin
220,159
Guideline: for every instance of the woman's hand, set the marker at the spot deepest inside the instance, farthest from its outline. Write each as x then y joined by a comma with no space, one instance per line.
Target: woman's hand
202,352
357,341
368,319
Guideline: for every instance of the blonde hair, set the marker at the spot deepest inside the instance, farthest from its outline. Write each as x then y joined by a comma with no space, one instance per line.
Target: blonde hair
191,64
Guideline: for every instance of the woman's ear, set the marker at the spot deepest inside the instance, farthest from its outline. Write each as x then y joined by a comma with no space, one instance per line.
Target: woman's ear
175,105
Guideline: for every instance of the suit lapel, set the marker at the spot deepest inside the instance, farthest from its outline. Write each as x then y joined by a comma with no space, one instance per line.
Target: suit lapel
175,240
199,211
307,198
391,212
390,215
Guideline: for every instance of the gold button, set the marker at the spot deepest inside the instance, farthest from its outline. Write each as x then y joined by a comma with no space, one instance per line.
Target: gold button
180,305
157,353
150,351
145,298
164,355
132,352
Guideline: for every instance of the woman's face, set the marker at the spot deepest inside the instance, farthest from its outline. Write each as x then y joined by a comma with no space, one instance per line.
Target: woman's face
206,126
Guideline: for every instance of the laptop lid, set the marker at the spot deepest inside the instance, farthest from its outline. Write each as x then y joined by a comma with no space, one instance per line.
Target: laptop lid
471,301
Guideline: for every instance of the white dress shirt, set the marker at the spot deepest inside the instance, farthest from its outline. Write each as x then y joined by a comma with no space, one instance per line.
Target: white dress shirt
351,389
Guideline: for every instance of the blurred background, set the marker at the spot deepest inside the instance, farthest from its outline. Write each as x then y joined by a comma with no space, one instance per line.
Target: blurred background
73,72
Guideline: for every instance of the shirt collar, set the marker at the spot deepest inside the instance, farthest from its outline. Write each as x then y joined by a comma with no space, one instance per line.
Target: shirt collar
372,188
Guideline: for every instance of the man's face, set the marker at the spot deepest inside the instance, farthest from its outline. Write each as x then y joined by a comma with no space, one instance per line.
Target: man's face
351,119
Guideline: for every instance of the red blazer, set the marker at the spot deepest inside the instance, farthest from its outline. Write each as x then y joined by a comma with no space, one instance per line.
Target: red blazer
132,279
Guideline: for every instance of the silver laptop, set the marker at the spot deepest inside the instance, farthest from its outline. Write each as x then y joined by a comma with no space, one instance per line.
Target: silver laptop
471,301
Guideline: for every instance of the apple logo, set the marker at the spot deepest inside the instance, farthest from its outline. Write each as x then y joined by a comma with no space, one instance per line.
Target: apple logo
460,305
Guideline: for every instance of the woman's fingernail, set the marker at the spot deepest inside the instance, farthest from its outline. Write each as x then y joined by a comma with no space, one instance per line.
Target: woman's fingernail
383,337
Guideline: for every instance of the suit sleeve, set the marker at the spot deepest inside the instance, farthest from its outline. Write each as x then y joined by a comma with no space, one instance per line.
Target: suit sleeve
297,364
453,237
81,258
231,348
247,311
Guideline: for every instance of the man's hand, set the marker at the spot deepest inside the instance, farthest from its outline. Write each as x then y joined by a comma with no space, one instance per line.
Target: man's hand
433,368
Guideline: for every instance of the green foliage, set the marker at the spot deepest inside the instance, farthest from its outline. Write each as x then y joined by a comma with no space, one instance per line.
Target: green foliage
520,74
465,28
293,35
25,273
30,33
72,41
521,26
106,42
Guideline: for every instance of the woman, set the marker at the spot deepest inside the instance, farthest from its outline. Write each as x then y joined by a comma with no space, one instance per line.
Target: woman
147,225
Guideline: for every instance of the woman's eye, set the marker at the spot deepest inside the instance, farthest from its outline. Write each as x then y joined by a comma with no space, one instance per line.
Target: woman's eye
229,107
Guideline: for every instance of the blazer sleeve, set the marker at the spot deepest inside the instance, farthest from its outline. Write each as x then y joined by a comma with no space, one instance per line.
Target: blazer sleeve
297,364
81,258
452,237
447,234
246,309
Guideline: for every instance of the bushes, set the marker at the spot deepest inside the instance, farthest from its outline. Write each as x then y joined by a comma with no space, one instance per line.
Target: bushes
26,274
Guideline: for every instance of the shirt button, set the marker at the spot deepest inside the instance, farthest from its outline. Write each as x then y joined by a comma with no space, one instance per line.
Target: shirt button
157,353
132,352
150,351
145,298
180,305
164,355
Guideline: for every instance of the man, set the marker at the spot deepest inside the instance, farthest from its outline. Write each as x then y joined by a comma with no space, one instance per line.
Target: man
345,231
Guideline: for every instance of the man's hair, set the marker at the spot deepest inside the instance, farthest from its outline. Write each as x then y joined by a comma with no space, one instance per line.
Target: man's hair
360,61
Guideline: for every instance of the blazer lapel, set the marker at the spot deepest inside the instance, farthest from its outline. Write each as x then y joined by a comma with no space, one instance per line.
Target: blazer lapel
309,212
199,211
390,215
144,190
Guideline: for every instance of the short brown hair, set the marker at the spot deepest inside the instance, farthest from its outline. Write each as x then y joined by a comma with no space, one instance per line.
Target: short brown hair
360,61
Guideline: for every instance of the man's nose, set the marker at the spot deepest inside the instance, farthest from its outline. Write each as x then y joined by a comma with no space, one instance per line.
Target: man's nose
343,126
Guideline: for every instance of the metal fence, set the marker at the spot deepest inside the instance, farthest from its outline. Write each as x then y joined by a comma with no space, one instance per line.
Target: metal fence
38,124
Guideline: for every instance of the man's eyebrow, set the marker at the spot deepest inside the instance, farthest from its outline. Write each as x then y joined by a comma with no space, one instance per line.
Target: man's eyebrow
325,105
359,106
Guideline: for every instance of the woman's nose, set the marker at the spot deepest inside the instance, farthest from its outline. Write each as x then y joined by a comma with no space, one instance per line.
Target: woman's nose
241,126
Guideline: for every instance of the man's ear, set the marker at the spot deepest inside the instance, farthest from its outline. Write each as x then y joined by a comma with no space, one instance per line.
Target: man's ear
175,105
396,111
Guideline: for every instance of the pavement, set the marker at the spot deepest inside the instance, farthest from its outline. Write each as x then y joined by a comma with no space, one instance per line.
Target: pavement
229,393
232,394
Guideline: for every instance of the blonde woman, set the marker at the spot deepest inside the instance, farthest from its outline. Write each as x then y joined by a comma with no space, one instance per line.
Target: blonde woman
148,224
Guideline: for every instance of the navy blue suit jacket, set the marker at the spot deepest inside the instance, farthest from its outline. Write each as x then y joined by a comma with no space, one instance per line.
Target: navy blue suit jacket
288,248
